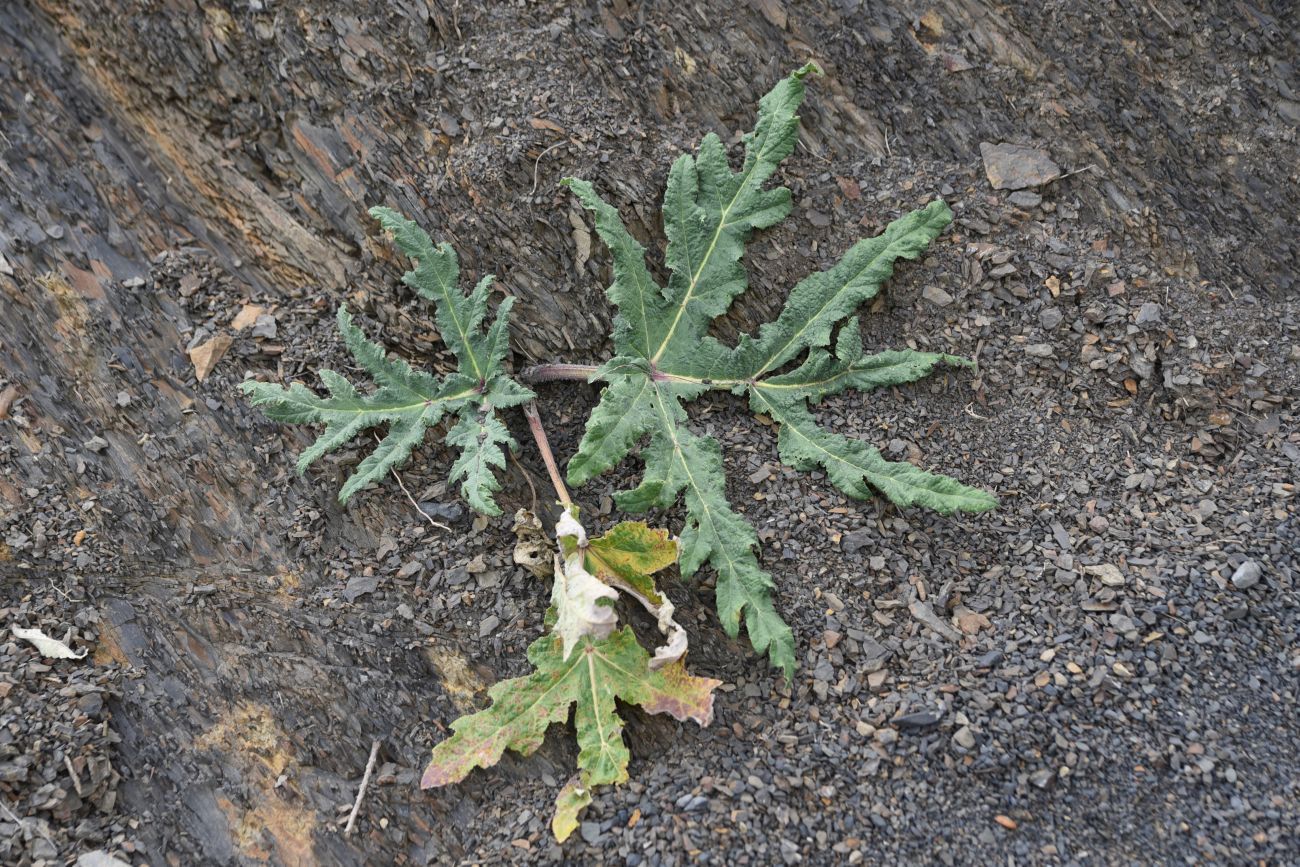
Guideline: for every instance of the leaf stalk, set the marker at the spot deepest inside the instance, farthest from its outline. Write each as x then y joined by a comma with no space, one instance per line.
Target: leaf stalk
544,446
556,372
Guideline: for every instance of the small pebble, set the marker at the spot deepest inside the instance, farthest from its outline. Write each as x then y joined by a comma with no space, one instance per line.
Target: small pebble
1247,575
936,296
1025,199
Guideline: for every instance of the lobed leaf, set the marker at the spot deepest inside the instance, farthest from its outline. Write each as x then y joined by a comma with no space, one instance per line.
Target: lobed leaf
627,557
589,679
855,467
584,664
408,401
629,554
665,357
821,301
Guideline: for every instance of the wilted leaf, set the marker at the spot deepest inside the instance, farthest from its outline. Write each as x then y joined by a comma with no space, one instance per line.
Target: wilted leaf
592,677
581,662
572,800
625,558
583,603
532,549
630,553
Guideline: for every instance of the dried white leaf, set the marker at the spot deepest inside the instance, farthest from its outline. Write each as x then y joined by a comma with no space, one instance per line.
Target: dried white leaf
532,547
577,596
569,526
50,648
676,645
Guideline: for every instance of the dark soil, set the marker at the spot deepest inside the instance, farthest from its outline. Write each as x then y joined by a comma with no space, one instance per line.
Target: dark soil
1120,681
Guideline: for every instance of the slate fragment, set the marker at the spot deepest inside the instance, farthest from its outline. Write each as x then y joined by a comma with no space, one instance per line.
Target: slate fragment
1017,167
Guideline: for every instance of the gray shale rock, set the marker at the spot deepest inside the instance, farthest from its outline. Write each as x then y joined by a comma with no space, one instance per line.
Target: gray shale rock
1025,199
1150,314
936,296
1016,167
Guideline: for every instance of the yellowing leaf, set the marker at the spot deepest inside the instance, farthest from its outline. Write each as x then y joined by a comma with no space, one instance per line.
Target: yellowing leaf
626,557
623,558
584,662
597,673
572,800
631,553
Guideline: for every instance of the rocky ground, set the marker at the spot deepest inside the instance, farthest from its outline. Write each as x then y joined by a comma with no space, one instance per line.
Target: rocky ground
1101,671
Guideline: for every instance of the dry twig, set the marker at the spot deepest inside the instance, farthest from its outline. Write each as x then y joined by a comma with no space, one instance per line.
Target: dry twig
361,793
414,504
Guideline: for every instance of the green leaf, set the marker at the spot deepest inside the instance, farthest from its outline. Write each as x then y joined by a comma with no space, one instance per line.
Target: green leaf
436,276
591,678
639,299
408,401
710,212
821,301
624,416
480,435
852,465
664,358
584,663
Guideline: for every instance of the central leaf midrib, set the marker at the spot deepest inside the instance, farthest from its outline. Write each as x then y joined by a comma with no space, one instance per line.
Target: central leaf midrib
718,546
727,384
426,402
713,243
591,678
445,289
835,295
